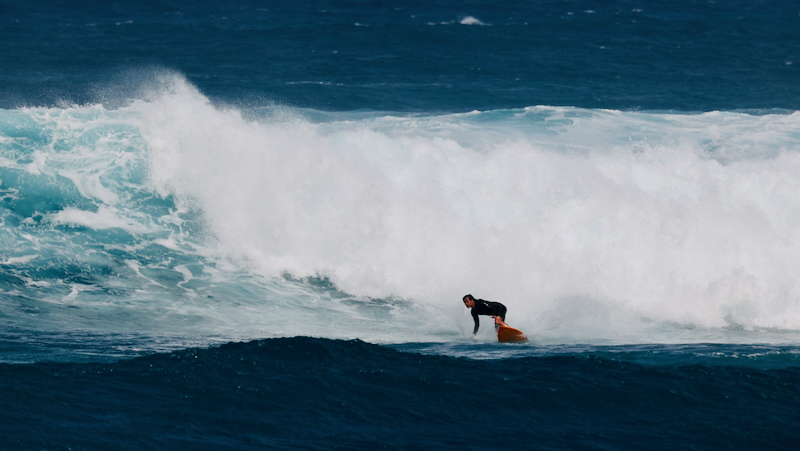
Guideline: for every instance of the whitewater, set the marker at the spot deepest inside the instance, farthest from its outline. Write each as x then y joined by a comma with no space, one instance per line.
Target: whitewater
175,221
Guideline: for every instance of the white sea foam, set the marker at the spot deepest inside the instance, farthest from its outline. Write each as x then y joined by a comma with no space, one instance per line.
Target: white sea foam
103,218
469,20
588,224
19,260
595,223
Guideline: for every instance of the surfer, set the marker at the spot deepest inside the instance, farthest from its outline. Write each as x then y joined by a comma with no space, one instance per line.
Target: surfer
481,307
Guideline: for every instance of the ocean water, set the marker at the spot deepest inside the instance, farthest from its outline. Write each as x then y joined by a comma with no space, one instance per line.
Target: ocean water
249,225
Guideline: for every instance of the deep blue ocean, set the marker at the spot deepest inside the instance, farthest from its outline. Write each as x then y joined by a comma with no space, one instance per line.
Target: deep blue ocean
249,225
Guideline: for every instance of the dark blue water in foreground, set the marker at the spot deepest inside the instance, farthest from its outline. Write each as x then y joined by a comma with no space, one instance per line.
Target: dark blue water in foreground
187,189
322,394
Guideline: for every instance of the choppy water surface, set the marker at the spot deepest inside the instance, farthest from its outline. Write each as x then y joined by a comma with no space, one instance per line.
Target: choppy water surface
250,226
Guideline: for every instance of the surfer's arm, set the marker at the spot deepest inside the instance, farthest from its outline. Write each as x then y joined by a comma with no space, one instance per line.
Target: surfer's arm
477,322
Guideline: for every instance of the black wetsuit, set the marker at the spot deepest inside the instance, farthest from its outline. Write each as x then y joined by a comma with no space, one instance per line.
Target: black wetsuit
487,308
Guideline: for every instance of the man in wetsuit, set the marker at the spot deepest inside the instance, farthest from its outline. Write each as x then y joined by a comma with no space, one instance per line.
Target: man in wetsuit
481,307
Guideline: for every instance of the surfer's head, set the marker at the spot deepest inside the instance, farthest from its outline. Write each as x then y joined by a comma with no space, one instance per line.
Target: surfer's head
469,301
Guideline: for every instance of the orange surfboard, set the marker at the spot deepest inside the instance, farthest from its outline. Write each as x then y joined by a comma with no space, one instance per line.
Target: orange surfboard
507,334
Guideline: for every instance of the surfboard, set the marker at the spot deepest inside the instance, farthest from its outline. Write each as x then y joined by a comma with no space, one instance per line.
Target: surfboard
507,334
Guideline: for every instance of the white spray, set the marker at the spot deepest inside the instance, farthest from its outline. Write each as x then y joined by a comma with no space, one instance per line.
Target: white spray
580,221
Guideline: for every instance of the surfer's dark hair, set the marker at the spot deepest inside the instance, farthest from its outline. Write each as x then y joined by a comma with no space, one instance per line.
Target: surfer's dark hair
469,296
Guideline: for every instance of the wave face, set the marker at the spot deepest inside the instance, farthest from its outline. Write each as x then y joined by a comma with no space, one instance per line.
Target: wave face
285,393
172,218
